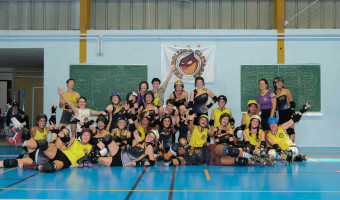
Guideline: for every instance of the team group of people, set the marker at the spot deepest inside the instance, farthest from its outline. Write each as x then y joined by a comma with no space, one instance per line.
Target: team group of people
140,130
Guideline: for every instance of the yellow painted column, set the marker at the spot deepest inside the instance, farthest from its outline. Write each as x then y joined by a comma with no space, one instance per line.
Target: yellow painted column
280,20
85,24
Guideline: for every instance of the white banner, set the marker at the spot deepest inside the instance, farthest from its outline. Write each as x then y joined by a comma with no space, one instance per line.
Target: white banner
190,63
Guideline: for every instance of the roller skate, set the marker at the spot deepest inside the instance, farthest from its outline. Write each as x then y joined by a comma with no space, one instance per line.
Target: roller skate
85,164
16,139
289,157
300,157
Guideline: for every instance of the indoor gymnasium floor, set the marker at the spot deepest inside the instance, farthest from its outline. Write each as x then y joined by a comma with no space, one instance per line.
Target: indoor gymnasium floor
318,178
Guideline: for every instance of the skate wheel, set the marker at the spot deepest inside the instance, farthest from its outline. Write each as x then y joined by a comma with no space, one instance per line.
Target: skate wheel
81,165
90,165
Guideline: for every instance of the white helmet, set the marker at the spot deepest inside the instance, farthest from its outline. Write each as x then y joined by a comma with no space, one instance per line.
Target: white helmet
256,117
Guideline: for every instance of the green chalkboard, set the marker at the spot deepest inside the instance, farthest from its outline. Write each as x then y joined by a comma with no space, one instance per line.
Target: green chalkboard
97,82
302,80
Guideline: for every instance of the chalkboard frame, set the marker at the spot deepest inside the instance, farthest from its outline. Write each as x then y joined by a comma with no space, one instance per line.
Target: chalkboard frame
268,70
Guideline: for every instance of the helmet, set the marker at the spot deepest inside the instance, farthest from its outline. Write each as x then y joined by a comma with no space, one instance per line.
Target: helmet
256,117
15,104
252,102
41,116
164,117
203,116
174,148
131,93
277,79
121,119
115,94
101,118
272,120
179,82
222,97
155,132
85,130
223,115
149,93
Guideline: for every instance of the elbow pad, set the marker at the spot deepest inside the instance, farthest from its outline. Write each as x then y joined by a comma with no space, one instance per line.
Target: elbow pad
209,105
214,98
211,122
243,127
232,121
292,104
191,104
296,118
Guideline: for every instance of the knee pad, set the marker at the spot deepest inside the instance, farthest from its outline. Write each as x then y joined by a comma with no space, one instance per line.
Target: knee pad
26,135
8,163
107,139
49,167
241,161
290,131
42,145
230,151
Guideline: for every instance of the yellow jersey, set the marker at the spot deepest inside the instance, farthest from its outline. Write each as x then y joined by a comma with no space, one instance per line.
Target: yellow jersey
72,98
248,119
77,151
40,136
253,140
281,138
198,139
217,114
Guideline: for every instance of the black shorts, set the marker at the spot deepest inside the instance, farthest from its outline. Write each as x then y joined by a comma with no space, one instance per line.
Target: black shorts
265,114
285,115
66,117
60,156
117,159
32,155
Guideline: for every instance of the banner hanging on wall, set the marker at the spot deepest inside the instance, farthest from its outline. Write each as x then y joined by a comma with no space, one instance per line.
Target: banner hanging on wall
190,63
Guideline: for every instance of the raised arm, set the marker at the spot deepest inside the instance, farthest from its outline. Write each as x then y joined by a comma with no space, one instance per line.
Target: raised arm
296,117
165,84
73,107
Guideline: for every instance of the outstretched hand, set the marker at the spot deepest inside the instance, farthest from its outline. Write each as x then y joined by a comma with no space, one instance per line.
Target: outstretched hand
60,90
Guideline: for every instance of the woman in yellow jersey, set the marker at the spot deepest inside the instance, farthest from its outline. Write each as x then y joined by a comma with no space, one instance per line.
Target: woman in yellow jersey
217,112
198,152
150,108
72,97
253,137
277,137
61,159
120,134
252,108
81,113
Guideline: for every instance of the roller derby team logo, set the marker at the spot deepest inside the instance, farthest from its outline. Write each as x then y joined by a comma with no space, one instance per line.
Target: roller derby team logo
203,137
189,63
281,135
257,139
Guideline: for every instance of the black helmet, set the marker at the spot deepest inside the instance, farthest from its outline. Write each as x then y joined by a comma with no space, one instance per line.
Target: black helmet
131,93
101,118
224,115
222,97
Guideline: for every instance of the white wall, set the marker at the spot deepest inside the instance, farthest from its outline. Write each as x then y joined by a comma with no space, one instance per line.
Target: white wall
230,54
